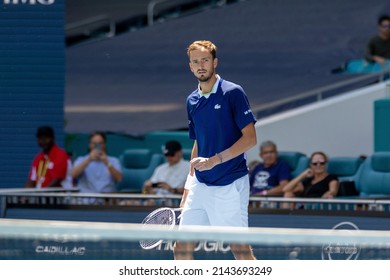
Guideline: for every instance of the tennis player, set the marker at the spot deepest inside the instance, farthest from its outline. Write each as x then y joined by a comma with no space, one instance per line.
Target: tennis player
222,125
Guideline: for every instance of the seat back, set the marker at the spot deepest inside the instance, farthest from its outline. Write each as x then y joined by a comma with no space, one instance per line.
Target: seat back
373,178
297,161
187,154
137,166
345,168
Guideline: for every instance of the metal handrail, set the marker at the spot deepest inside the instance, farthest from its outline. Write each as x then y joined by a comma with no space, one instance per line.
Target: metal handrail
11,191
65,193
150,10
318,93
91,21
154,3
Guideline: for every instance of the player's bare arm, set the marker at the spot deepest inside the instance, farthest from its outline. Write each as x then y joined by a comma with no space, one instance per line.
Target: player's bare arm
247,141
194,154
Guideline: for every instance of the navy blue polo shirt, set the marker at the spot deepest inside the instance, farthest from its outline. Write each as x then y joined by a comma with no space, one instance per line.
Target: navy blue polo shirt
216,123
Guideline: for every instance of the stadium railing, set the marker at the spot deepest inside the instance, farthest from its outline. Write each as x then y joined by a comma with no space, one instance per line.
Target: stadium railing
319,93
71,199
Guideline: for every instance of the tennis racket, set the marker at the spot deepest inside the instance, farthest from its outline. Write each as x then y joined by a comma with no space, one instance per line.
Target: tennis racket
166,218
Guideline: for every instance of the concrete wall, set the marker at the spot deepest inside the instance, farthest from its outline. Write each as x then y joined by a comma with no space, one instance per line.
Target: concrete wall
339,126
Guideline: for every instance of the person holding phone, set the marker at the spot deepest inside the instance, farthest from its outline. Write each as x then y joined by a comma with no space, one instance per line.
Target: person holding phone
169,177
97,172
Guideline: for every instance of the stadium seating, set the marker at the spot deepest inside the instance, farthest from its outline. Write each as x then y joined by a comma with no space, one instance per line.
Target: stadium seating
187,154
137,166
360,66
346,169
297,161
373,178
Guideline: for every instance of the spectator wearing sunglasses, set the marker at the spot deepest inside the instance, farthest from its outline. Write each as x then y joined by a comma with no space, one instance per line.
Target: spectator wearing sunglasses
314,181
378,47
169,177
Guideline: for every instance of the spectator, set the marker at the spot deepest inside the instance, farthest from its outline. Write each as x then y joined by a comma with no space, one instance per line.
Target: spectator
315,181
378,47
252,164
270,176
49,168
169,177
97,172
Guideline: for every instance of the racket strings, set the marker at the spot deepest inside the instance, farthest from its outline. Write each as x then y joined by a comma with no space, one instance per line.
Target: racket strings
163,217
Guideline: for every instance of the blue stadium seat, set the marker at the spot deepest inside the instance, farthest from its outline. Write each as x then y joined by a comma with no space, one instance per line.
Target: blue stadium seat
298,162
187,154
137,166
359,66
346,169
373,178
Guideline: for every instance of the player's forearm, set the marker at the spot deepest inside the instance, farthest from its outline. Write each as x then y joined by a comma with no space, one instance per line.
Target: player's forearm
247,141
194,154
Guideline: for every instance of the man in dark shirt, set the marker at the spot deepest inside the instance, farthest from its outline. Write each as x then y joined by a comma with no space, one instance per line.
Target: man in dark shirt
378,47
269,177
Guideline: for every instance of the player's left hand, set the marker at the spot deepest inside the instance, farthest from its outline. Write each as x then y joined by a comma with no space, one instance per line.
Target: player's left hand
203,164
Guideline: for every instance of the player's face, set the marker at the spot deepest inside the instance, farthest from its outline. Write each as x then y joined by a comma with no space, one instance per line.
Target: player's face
202,64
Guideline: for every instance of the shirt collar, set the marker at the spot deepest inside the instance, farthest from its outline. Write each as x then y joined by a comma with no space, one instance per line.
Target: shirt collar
213,90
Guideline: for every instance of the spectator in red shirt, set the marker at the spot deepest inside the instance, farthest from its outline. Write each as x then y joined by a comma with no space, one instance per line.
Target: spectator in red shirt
49,168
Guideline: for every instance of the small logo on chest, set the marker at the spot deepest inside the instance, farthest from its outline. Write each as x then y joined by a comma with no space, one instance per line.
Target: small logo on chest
217,106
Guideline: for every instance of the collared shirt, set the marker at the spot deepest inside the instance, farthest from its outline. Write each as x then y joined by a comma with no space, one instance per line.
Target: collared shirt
216,123
96,177
213,90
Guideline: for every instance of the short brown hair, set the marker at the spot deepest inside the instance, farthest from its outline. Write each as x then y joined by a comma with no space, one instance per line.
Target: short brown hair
319,153
203,44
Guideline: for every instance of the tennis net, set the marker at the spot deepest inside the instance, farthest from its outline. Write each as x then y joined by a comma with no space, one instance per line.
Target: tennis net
39,239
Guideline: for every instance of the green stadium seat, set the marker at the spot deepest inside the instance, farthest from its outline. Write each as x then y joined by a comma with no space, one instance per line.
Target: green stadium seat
346,169
137,166
297,161
373,178
187,154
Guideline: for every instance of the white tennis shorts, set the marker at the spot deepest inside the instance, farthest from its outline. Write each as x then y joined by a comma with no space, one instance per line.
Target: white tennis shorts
217,205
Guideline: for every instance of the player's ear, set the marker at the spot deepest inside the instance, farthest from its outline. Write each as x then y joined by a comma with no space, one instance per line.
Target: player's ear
215,62
189,64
